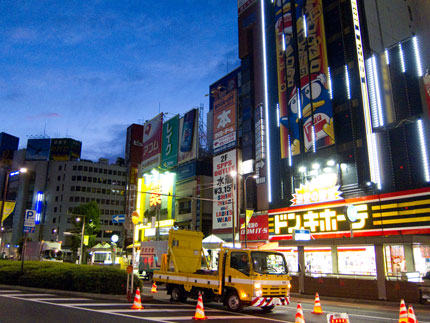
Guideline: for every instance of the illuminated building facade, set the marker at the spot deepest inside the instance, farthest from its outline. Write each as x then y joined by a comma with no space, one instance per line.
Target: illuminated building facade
347,125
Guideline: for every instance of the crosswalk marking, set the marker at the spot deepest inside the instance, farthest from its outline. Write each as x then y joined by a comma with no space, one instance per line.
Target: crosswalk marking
155,310
59,299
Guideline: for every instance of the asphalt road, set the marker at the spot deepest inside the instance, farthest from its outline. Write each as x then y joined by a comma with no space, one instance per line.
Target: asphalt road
25,306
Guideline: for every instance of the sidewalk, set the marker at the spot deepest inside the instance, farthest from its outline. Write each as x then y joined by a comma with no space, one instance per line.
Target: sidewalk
119,298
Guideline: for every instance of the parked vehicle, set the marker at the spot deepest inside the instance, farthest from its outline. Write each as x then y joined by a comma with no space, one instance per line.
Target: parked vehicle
150,257
244,277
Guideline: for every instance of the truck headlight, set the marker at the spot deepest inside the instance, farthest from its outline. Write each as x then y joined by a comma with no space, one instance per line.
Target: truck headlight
257,285
258,293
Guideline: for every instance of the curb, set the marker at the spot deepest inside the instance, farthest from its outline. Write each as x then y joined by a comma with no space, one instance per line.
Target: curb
355,300
121,298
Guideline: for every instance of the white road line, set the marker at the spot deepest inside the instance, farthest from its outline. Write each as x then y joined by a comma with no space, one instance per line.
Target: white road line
99,304
129,310
57,299
187,318
29,295
381,318
10,291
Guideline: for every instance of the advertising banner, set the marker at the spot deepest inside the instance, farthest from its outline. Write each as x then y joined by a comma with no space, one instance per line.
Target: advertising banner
224,120
169,147
152,132
258,228
223,165
65,149
38,149
188,136
242,5
158,191
309,100
8,209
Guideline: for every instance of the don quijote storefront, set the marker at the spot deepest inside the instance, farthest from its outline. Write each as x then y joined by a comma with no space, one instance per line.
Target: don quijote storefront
372,247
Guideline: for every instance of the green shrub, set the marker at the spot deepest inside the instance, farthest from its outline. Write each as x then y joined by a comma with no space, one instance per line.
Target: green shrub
66,276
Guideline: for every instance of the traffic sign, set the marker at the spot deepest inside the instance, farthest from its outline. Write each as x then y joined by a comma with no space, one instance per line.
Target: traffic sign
29,221
118,218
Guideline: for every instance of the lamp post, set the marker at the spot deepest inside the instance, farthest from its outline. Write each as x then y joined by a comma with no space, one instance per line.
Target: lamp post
245,179
82,238
5,188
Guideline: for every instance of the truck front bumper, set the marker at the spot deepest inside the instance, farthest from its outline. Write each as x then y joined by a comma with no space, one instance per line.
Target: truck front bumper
269,301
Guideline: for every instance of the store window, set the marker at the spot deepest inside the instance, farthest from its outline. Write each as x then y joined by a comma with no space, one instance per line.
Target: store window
395,260
358,260
318,260
292,259
422,258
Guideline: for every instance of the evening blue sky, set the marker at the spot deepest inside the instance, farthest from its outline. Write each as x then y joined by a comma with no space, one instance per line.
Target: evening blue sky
88,69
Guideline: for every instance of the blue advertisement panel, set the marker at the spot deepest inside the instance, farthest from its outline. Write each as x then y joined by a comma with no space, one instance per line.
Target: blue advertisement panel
186,171
188,136
38,149
169,146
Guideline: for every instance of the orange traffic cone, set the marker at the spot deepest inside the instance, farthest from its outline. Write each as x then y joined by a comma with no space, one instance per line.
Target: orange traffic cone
154,288
411,315
317,305
403,315
137,304
200,311
299,314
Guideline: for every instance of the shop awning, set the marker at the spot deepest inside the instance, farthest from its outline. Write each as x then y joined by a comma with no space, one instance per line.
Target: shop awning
136,245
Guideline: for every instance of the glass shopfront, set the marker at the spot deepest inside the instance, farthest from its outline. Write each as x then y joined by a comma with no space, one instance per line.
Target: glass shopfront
357,260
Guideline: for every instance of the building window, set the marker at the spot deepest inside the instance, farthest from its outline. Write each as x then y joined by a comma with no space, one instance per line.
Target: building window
103,191
58,188
78,188
87,199
79,178
72,188
82,199
58,178
79,167
75,167
59,167
114,172
85,168
110,171
90,169
76,198
84,178
54,220
56,199
73,178
105,171
55,209
90,179
71,199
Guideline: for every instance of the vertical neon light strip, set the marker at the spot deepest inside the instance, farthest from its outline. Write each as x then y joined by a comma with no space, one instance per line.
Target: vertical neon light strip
372,94
305,26
377,91
371,143
299,103
348,87
387,57
139,195
266,102
290,156
402,58
424,153
283,42
38,206
330,89
278,116
417,56
314,140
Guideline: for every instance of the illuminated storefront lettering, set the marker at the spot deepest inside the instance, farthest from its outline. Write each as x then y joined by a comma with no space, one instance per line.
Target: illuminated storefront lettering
326,220
311,193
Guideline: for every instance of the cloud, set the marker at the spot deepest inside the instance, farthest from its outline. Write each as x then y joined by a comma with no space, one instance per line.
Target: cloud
109,143
43,116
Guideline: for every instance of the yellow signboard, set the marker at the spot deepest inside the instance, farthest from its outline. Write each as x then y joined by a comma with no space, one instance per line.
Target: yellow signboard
8,209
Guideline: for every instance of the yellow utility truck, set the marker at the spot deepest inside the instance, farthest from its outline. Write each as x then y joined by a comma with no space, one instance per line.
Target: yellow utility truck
244,277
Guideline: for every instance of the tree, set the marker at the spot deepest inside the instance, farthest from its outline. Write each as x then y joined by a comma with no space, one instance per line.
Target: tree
91,213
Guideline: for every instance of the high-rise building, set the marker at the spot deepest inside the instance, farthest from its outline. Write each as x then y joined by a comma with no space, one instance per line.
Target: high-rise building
339,87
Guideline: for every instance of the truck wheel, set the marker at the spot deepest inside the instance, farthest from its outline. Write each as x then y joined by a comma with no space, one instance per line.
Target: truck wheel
233,302
268,309
177,295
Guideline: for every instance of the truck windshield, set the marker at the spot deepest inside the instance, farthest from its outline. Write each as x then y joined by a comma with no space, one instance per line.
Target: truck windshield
269,263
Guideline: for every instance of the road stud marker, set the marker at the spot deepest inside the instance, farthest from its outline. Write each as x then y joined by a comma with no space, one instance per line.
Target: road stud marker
137,304
200,311
317,305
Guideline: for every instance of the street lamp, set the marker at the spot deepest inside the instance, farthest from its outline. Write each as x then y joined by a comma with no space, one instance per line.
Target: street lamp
78,219
9,173
245,179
